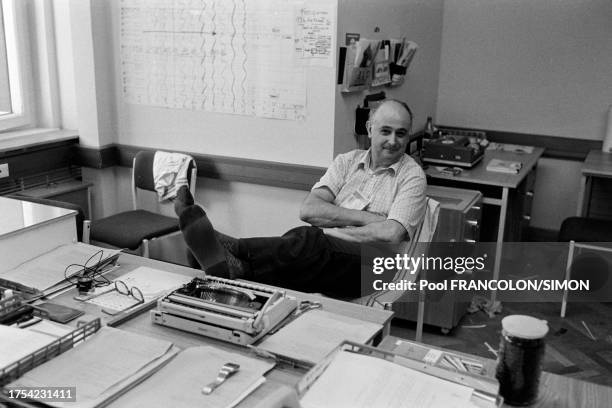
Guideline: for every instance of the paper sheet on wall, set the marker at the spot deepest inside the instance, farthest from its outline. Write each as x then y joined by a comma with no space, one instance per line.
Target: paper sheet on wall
360,381
228,56
315,33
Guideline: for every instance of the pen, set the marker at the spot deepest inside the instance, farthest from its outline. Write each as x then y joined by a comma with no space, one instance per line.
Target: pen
29,323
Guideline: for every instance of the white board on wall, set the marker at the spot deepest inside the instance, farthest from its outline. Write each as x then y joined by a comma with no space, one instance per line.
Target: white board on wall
228,77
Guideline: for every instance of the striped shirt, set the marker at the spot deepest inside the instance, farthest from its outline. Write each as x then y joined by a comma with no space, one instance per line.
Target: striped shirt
396,192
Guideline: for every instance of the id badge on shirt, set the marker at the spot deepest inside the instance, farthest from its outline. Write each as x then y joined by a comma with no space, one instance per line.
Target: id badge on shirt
356,202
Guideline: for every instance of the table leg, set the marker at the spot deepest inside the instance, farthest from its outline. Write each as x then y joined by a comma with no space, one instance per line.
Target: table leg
500,239
89,214
420,316
568,269
581,196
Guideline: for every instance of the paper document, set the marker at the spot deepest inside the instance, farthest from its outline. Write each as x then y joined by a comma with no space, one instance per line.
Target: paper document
48,269
315,30
358,381
179,384
17,343
153,284
100,367
50,328
316,333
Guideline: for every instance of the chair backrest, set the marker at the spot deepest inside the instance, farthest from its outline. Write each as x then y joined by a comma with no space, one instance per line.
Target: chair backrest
143,178
418,245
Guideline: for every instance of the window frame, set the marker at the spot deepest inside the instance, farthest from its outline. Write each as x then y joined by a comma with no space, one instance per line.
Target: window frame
19,65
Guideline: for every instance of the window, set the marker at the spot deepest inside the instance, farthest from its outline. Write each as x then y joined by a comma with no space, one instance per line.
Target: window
15,71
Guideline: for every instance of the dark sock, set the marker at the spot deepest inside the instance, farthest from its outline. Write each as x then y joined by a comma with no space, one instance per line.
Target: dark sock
183,200
231,244
238,268
199,236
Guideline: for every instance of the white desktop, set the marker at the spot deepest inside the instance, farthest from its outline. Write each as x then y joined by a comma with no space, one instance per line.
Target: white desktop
28,230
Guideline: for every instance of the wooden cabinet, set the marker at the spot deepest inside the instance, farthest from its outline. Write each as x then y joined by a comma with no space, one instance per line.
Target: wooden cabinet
459,221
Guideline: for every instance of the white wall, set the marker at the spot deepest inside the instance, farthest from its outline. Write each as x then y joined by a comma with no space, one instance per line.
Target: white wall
530,66
527,66
237,209
65,64
419,21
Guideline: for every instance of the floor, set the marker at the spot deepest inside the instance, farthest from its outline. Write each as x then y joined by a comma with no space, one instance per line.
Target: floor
569,349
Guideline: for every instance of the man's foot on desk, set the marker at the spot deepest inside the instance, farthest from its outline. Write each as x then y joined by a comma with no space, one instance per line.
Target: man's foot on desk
183,200
213,251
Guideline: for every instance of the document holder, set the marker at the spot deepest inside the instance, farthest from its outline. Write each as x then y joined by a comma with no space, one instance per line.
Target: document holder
485,389
15,370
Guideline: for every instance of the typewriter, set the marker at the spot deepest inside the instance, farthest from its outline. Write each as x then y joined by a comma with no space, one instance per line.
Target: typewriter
453,150
236,312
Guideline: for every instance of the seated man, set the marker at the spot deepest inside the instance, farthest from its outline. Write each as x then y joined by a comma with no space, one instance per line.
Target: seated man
366,196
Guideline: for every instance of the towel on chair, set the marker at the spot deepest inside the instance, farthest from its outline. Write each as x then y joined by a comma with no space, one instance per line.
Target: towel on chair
170,173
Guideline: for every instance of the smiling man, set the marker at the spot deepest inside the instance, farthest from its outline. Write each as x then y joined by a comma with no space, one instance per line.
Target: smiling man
366,196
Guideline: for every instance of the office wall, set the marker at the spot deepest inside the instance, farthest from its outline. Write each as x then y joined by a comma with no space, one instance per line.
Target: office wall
539,67
419,21
237,209
65,65
527,66
243,209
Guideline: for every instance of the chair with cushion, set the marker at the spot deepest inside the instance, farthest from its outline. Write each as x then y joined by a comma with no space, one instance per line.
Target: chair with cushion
424,234
134,229
583,229
578,231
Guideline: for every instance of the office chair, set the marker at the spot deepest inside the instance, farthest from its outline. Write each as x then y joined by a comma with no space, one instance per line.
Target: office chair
424,234
577,231
135,228
80,216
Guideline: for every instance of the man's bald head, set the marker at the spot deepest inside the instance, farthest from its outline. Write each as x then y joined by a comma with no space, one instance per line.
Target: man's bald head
392,107
389,132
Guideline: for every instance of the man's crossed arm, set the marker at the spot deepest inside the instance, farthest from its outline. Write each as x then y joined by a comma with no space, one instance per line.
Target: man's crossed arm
351,225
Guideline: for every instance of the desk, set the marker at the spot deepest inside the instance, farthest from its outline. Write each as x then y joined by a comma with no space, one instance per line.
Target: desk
142,323
596,164
555,390
499,189
29,229
75,192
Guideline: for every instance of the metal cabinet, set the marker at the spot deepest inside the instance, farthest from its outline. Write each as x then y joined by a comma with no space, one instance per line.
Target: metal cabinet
459,221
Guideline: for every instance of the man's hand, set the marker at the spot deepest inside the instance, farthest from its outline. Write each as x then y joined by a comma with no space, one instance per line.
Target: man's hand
318,210
389,231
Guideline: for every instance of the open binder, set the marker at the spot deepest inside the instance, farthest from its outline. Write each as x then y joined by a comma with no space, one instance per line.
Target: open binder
483,389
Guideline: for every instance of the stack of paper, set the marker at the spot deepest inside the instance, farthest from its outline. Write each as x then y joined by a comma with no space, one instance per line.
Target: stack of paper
51,268
100,368
17,343
179,384
504,166
316,333
358,381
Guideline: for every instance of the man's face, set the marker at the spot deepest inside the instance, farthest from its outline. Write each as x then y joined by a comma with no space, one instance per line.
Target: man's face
389,131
